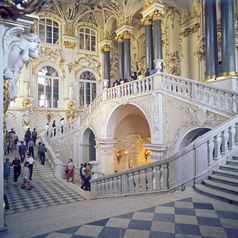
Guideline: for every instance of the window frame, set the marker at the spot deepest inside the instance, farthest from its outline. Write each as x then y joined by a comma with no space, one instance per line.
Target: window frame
53,27
51,79
92,33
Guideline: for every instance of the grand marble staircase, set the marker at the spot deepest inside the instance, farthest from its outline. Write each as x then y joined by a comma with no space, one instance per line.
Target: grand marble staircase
223,182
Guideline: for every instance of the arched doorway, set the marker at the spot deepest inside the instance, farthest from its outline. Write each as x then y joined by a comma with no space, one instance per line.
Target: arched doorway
129,127
191,136
89,143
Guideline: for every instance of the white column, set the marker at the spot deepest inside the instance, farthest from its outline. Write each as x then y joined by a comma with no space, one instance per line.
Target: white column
2,30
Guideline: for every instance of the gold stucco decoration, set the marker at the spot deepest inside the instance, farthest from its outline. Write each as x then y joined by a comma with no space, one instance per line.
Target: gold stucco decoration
27,103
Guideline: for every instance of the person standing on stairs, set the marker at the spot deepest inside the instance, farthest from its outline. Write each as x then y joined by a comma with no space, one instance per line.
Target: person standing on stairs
54,128
22,151
30,160
16,163
34,136
42,151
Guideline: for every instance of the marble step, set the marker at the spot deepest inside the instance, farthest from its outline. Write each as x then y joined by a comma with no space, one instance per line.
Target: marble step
216,193
221,186
229,168
226,173
224,179
232,162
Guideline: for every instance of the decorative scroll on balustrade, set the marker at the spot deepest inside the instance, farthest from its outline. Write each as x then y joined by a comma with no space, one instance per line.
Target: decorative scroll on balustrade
129,89
185,166
220,99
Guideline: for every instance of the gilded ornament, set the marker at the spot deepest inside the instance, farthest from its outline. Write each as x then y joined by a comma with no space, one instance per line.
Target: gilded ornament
69,45
105,48
157,15
6,97
27,103
71,105
127,35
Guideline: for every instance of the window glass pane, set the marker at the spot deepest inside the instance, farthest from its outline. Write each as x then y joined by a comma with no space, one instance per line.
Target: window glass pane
81,94
93,43
56,93
87,30
87,93
48,87
81,30
94,91
40,95
87,42
48,22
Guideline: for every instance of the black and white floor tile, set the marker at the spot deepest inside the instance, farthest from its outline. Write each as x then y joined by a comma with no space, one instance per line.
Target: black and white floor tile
186,218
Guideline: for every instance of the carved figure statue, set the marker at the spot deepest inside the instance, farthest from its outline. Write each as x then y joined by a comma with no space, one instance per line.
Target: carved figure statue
18,48
70,11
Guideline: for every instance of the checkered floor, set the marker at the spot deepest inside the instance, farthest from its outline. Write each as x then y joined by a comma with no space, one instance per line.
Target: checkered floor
184,218
47,191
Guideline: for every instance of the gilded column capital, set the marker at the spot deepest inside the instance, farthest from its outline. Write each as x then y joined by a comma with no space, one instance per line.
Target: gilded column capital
147,20
157,15
127,35
105,45
119,38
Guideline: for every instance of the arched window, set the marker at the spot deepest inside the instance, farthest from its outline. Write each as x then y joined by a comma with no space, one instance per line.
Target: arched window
48,87
49,31
87,88
87,39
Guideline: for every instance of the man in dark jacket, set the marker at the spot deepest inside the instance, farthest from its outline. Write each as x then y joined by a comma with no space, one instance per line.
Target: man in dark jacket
22,151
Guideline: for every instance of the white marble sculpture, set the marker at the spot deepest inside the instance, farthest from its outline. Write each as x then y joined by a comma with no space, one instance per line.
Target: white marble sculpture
19,48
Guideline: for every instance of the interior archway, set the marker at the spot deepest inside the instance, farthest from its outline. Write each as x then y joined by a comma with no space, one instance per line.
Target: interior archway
129,127
88,146
191,136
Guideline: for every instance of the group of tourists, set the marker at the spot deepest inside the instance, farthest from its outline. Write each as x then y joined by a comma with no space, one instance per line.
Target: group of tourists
85,173
54,128
26,151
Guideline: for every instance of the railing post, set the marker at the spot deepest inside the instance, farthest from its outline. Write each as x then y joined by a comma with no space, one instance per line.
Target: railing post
211,147
218,141
225,138
232,134
149,176
194,91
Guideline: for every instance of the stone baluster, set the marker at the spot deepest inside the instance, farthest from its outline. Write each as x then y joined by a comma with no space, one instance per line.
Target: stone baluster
234,104
119,185
130,182
164,176
157,177
106,187
232,134
225,138
143,180
211,147
110,183
137,181
218,141
114,185
236,136
149,175
135,87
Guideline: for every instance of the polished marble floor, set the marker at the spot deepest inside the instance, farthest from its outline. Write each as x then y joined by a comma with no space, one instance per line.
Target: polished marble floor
57,209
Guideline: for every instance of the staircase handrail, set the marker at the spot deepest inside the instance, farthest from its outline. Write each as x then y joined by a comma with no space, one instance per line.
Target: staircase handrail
223,100
197,159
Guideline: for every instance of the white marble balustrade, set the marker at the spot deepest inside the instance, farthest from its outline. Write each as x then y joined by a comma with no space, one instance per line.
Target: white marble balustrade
202,93
186,166
130,89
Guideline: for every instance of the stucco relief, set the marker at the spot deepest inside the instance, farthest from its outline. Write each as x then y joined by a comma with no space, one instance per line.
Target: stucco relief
51,56
187,118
